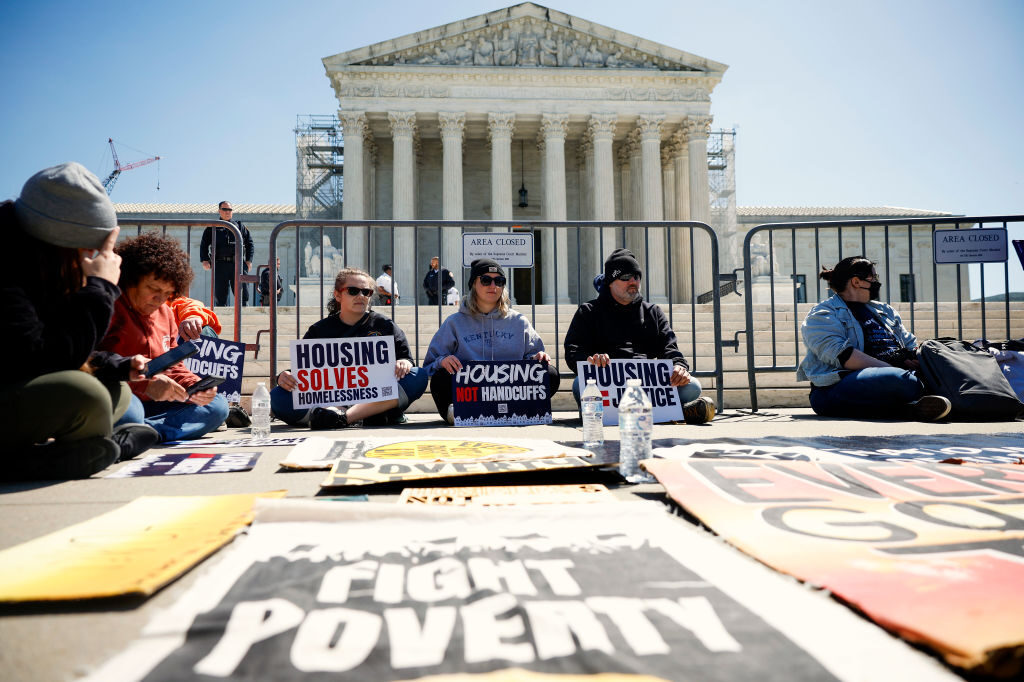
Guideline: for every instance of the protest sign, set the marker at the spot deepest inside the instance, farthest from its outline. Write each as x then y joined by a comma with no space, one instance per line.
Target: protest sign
320,453
933,552
220,358
507,393
134,549
175,464
612,591
354,472
654,376
273,441
343,371
502,495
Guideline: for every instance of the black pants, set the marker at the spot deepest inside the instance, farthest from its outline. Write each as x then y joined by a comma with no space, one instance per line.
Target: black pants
224,279
441,388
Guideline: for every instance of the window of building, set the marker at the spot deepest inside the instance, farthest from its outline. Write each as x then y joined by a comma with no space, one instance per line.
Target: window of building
907,292
800,284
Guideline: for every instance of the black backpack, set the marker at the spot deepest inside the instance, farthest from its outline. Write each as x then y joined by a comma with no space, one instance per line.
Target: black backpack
970,378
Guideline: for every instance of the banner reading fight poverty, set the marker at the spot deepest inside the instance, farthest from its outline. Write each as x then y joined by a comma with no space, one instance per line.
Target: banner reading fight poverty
343,371
220,358
654,376
934,552
508,393
387,592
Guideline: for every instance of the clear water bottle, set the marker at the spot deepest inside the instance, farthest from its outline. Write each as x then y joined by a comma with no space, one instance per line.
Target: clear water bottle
636,422
592,406
261,412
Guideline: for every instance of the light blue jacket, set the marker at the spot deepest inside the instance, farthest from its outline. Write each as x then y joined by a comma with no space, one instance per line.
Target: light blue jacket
487,337
830,328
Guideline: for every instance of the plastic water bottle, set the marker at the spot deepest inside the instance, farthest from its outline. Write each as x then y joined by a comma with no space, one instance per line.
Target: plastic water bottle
261,412
592,406
636,421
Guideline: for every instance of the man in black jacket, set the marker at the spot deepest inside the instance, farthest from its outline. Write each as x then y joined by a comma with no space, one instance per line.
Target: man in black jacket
619,324
437,276
225,273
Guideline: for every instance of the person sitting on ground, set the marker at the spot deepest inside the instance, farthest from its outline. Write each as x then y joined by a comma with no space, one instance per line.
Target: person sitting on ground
349,316
861,360
484,328
57,299
620,324
194,319
154,270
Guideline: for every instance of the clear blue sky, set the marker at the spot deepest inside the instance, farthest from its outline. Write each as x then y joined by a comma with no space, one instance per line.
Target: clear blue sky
914,103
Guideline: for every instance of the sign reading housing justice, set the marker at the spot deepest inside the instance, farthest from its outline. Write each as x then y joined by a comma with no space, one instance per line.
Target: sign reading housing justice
343,371
654,375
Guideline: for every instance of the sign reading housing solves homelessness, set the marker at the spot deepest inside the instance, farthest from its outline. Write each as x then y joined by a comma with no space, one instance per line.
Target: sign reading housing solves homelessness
654,376
343,371
386,592
509,393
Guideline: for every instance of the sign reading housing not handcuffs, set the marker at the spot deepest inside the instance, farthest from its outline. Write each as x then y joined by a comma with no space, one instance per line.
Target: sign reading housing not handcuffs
508,249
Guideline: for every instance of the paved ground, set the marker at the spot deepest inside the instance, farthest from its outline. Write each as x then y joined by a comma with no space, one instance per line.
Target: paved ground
60,642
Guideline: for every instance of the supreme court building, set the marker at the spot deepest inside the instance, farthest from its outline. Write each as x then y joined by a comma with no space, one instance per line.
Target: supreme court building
448,123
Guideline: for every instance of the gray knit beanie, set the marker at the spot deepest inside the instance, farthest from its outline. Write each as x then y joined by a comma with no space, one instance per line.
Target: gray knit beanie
66,206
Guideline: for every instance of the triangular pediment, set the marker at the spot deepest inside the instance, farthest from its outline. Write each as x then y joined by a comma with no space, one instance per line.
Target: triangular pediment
525,36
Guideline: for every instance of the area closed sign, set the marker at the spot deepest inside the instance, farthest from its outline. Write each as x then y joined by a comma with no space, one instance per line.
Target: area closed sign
509,249
982,245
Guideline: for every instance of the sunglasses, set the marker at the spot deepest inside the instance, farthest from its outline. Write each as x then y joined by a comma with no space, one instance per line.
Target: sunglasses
629,276
487,279
355,291
227,208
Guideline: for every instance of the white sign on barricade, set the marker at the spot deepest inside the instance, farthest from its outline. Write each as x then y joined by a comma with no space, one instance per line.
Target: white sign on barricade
343,371
508,249
654,376
987,245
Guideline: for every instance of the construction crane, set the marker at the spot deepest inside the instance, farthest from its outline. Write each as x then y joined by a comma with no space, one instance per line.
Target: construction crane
108,184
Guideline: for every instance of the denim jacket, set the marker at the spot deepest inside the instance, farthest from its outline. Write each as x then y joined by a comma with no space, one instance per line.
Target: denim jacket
830,328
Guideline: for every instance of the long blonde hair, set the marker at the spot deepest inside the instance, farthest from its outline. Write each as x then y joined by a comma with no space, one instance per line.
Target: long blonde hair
333,307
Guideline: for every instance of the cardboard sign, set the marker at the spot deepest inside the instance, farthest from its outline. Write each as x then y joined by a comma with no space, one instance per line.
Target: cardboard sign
985,245
343,371
175,464
321,453
274,441
933,552
351,472
508,249
654,376
135,549
221,358
508,393
504,495
355,592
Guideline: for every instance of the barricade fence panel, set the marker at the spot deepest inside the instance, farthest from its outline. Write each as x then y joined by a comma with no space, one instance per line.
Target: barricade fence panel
781,263
679,261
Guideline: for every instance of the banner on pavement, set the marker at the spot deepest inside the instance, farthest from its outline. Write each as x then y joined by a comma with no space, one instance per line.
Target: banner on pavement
504,495
343,371
933,552
175,464
507,393
220,358
654,376
389,592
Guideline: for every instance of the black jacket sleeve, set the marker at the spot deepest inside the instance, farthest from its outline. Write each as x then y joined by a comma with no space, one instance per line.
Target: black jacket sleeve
204,245
247,251
669,349
449,281
576,344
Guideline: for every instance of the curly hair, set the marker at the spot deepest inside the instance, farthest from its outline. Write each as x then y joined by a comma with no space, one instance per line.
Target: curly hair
333,307
151,253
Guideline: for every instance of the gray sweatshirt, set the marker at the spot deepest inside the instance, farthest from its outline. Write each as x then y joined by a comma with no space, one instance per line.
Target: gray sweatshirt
486,337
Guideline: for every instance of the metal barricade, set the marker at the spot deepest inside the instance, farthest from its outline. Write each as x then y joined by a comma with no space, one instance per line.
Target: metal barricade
652,243
895,245
188,224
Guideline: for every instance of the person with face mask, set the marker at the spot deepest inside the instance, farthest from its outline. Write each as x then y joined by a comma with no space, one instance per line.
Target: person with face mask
861,360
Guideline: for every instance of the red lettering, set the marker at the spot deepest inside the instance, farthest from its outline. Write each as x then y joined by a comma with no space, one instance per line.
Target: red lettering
303,382
364,376
316,379
339,377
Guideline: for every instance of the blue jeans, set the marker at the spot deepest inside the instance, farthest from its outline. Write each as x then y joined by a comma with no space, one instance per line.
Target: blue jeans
177,421
870,392
410,388
690,391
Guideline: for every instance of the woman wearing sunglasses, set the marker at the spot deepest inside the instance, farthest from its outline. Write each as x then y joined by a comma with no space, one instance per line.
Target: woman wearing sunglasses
348,316
484,328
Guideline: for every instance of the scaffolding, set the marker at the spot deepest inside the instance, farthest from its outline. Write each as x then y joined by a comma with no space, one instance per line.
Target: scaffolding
319,154
722,186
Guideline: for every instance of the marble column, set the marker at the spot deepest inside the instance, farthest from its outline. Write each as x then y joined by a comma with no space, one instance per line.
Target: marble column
353,204
500,127
453,125
681,256
588,236
403,198
635,237
553,128
601,128
626,210
652,206
697,130
668,182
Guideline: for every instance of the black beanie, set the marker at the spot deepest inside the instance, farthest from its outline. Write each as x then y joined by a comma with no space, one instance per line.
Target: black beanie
621,262
484,266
